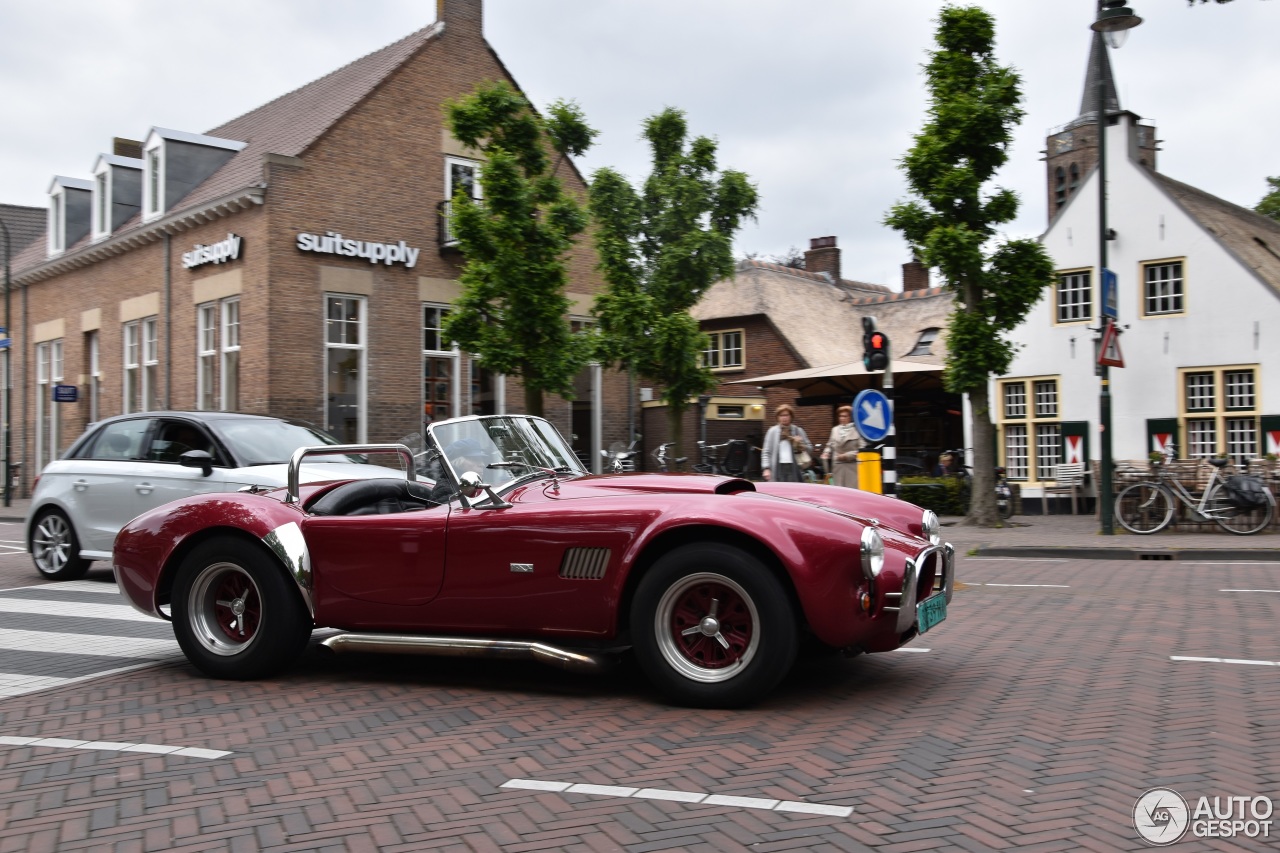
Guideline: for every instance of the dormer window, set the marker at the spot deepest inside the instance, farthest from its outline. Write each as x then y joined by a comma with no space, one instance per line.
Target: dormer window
70,211
175,163
924,346
117,193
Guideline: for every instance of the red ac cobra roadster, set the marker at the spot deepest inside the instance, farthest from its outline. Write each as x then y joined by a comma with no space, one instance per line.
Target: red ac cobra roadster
513,549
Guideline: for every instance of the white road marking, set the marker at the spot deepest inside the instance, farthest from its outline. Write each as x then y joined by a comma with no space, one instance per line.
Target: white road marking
109,746
798,806
73,608
1249,590
95,644
17,685
1027,585
1227,660
1228,562
913,650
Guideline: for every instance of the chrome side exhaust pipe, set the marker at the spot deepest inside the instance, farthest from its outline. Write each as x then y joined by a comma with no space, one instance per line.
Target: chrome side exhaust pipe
413,644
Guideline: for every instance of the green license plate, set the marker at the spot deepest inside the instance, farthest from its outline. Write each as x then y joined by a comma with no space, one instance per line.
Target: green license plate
931,612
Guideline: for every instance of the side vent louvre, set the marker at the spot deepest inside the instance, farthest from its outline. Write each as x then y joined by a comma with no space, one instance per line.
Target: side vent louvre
584,563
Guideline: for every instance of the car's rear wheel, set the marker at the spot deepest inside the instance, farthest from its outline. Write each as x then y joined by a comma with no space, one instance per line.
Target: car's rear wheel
713,627
235,614
54,547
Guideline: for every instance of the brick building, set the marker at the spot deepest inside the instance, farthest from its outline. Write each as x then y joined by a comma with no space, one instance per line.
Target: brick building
294,261
768,319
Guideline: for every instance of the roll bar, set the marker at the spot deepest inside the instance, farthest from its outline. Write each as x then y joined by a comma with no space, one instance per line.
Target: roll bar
295,461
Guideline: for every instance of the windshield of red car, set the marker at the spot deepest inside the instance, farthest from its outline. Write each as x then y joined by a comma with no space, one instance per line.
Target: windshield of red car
524,446
268,442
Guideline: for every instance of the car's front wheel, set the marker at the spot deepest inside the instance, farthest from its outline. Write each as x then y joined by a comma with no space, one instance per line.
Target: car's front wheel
713,627
235,614
54,547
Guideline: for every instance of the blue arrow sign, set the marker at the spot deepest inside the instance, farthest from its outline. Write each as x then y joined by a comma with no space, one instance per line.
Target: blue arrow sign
872,414
1110,301
5,343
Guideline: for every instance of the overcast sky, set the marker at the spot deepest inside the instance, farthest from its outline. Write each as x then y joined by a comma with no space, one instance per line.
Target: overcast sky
815,99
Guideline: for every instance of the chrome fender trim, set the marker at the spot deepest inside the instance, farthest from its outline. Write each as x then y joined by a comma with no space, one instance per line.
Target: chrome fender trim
287,543
413,644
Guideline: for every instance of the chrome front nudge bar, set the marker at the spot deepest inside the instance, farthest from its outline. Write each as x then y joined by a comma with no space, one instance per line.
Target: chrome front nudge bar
576,661
295,461
904,603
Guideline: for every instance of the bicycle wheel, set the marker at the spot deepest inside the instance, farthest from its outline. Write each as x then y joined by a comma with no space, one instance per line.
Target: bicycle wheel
1233,519
1144,508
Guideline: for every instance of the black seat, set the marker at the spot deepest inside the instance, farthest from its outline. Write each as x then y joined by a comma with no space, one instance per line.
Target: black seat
373,497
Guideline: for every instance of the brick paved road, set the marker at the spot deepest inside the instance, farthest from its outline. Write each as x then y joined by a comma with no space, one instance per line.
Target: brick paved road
1034,722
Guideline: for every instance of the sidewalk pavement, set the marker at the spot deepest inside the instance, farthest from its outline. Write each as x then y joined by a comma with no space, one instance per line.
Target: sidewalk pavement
1074,536
1079,537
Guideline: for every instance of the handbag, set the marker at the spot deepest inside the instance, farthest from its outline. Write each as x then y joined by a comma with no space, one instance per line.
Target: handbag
804,460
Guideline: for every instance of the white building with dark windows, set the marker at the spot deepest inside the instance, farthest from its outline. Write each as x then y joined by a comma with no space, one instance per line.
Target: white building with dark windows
1198,299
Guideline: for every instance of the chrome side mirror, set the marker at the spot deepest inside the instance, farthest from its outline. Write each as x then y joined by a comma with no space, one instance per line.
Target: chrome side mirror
471,486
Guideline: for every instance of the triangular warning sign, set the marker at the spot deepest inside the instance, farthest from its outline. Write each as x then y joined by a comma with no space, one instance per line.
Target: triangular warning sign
1109,351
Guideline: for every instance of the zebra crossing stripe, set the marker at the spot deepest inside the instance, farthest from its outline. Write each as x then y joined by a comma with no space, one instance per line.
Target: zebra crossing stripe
44,607
691,797
110,746
95,644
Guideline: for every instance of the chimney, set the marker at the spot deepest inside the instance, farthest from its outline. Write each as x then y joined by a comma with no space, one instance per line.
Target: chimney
824,257
130,148
461,16
915,276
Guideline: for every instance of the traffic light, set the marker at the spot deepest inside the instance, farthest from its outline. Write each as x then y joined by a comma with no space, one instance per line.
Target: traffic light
875,346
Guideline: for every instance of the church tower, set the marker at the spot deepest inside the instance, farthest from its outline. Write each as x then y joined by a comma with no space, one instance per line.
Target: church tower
1071,151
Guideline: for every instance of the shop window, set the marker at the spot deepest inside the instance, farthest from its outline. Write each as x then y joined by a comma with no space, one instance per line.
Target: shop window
1074,296
439,367
1219,413
725,350
141,366
94,372
48,374
218,354
1163,288
345,379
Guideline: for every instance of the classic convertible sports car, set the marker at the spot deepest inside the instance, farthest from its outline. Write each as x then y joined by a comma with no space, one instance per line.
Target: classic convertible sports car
714,583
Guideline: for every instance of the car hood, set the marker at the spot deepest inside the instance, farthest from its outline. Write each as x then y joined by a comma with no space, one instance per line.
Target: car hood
599,485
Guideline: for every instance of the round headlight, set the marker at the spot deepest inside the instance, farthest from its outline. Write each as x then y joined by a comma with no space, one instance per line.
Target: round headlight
931,527
872,553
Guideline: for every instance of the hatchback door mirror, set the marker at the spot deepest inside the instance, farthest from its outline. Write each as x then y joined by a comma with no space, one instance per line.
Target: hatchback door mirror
197,459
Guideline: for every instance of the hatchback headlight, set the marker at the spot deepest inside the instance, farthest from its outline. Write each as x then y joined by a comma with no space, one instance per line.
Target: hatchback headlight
872,553
932,527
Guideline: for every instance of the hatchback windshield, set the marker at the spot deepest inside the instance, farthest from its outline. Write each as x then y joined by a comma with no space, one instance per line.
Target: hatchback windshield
520,445
268,442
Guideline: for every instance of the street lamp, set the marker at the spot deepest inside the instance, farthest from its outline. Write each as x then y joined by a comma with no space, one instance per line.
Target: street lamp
1111,28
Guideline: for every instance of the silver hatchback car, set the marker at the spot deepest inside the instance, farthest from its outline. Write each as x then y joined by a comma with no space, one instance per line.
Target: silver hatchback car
124,466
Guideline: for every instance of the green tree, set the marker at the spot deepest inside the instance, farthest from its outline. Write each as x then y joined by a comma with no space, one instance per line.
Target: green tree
660,249
512,313
951,223
1270,204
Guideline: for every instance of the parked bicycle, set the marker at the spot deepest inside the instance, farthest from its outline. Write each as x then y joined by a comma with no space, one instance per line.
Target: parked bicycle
620,458
729,459
660,454
1239,504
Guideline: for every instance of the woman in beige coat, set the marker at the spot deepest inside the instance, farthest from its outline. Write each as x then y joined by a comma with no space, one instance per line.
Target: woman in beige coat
841,452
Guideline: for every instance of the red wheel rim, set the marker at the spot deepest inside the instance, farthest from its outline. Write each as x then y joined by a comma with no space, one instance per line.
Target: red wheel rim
692,632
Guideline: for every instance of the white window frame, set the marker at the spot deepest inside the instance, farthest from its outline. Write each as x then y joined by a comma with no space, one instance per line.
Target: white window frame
1175,293
1215,428
101,218
449,188
48,374
57,221
95,374
228,351
1028,417
453,354
716,356
206,355
153,202
151,364
131,340
362,334
1077,284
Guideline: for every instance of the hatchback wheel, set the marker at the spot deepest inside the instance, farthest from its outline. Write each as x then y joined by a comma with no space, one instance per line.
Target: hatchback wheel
54,547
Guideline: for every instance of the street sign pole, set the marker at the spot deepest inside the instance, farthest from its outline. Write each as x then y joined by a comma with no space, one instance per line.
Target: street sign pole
889,453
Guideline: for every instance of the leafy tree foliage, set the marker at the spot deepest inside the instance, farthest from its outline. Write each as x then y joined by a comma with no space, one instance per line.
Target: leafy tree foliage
513,310
951,223
1270,204
660,249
